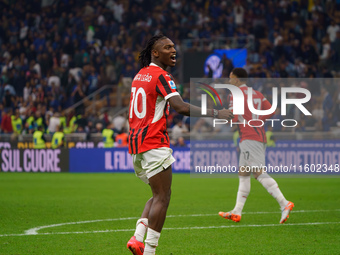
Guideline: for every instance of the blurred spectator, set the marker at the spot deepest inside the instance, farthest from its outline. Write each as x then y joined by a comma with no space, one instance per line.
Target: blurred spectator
179,130
119,122
326,52
327,106
108,136
17,123
58,139
180,142
54,123
270,137
6,121
99,128
122,139
332,29
78,94
39,140
81,124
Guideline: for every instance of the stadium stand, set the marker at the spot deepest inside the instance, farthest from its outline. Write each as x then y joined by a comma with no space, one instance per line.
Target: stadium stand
54,54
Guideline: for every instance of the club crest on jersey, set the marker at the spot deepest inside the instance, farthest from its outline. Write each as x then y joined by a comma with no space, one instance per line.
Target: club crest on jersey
172,84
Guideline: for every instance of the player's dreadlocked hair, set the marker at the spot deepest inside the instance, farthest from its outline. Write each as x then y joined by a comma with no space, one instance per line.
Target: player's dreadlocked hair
145,55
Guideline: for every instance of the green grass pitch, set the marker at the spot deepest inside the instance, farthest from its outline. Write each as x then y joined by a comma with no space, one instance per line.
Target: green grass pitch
101,212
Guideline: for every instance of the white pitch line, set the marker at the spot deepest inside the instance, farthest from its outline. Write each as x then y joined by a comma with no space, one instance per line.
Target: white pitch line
180,228
296,211
34,231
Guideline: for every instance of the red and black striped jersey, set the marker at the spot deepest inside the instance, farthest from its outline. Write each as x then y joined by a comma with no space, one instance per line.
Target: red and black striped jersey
149,108
254,131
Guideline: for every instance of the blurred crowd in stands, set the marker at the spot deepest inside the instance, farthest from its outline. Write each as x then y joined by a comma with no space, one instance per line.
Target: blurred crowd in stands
55,55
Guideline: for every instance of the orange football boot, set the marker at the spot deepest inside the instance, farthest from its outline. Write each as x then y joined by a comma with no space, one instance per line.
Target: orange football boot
136,247
285,213
230,216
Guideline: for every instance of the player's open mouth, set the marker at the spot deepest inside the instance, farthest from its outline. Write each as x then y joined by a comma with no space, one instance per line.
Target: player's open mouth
173,58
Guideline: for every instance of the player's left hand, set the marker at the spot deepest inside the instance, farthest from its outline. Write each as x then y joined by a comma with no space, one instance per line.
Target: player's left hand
225,114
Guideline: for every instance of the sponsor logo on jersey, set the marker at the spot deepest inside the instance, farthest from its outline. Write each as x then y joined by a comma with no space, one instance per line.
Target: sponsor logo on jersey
172,84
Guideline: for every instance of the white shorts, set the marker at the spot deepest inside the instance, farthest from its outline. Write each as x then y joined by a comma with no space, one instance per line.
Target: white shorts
252,153
152,162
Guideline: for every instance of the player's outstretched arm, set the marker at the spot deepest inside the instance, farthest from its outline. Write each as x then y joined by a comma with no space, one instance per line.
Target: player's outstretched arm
187,109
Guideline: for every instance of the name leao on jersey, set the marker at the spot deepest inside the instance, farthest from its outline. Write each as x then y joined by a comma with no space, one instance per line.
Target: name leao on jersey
143,77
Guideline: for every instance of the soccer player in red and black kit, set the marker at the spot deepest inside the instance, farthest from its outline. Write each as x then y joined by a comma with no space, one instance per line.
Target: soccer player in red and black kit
153,91
252,150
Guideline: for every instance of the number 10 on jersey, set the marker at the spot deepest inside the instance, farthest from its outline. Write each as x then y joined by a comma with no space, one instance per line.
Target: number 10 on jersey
134,103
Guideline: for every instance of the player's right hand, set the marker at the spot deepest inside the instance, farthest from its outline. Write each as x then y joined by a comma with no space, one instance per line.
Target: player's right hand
225,114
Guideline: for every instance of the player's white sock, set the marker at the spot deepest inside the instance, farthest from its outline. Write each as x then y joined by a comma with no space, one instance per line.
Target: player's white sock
151,242
271,186
141,227
242,194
